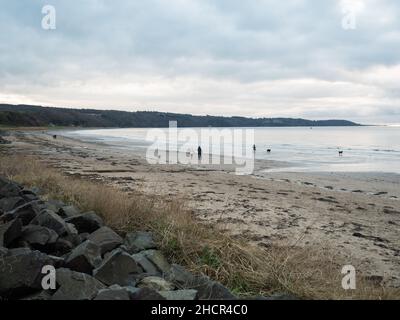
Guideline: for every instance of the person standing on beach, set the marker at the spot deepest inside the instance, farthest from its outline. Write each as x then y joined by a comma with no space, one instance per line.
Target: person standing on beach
199,151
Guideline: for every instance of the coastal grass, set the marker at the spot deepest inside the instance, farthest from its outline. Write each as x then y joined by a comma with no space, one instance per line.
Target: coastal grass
248,270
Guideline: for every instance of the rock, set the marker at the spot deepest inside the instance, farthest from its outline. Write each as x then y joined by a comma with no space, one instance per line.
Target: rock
106,239
156,283
74,239
62,247
68,212
207,289
9,189
26,212
113,293
9,203
84,236
28,195
3,251
41,295
118,268
71,230
180,276
57,262
148,267
51,220
10,232
20,272
179,294
76,286
212,290
55,205
146,294
38,235
139,241
87,222
84,258
157,258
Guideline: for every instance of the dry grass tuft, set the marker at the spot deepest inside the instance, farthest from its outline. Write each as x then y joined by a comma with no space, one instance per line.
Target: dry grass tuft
311,273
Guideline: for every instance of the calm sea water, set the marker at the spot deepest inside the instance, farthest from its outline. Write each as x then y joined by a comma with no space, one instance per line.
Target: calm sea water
366,149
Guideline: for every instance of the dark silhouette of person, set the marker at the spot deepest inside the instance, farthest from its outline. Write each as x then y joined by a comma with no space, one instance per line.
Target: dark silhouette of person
199,151
254,148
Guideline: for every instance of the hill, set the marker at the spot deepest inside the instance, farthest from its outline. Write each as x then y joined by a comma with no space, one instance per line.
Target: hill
37,116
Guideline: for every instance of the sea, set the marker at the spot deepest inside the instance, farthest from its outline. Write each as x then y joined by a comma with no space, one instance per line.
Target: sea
299,149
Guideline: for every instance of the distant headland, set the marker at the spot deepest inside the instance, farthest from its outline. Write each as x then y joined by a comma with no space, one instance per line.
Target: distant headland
38,116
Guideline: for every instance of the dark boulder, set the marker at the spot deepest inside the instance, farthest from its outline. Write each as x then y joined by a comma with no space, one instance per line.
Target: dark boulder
62,247
3,252
146,294
138,241
148,267
71,230
206,288
51,220
76,286
39,236
74,239
84,258
118,268
10,203
58,262
156,283
9,232
39,296
86,223
26,212
157,259
68,212
84,236
55,205
189,294
20,272
9,189
106,239
28,195
114,293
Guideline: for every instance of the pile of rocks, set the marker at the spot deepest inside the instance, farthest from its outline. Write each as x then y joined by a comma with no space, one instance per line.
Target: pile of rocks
91,260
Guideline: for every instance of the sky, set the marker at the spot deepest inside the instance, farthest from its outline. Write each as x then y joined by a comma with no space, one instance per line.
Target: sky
331,59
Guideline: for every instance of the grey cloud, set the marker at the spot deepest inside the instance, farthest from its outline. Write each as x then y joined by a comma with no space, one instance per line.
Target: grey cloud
100,46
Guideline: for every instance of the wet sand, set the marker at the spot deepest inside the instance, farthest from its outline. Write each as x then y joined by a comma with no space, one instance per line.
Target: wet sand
356,213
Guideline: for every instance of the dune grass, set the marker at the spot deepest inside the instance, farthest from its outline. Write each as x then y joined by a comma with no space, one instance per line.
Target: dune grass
307,273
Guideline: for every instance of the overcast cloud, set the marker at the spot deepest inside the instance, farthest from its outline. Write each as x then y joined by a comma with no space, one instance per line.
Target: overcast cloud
222,57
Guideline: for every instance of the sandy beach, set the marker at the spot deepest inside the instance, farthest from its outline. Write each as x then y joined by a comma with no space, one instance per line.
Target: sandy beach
358,214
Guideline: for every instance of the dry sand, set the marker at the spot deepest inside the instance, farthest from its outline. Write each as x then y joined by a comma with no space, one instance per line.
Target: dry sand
357,214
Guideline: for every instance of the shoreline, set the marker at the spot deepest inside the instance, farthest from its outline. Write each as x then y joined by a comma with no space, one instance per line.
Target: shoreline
265,169
296,209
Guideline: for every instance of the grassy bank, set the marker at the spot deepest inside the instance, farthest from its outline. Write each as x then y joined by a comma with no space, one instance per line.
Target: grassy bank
247,270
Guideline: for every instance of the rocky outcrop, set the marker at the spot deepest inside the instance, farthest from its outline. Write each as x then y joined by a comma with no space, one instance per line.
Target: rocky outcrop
91,261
